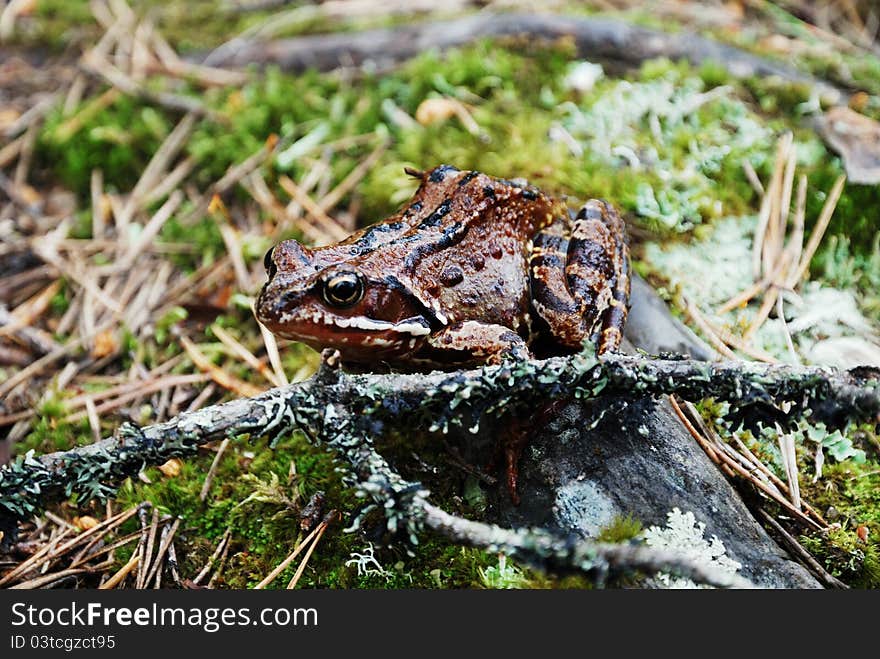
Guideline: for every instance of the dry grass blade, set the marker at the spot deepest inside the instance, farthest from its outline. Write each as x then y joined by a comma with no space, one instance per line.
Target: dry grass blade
769,204
789,342
274,356
35,560
735,463
721,339
47,579
287,561
244,354
74,271
743,298
221,377
305,561
134,391
146,552
215,464
224,541
232,241
796,241
120,575
94,420
819,229
170,182
35,339
696,434
96,65
769,301
167,536
208,76
152,229
779,262
327,223
779,483
697,317
10,152
172,567
55,549
332,198
789,459
799,551
221,563
87,553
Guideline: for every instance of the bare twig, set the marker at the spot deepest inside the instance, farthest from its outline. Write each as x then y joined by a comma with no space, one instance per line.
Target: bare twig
802,554
214,557
215,464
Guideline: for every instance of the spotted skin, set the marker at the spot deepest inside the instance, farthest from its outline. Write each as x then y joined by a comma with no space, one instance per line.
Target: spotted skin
579,275
453,262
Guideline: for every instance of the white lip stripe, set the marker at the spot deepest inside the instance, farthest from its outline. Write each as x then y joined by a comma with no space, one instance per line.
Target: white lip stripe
361,322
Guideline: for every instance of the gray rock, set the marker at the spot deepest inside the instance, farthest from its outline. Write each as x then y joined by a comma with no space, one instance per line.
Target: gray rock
638,459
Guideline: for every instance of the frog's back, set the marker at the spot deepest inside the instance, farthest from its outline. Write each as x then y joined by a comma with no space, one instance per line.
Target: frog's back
464,248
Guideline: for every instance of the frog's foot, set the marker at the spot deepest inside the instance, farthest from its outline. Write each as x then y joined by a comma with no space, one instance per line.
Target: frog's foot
579,273
470,341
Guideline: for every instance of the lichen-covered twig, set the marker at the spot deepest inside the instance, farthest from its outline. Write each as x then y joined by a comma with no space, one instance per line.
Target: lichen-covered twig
345,412
568,553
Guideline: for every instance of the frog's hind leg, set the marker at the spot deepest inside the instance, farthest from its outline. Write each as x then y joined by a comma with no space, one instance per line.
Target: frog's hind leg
550,294
579,273
597,271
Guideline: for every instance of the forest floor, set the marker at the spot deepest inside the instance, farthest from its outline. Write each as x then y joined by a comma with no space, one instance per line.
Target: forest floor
139,192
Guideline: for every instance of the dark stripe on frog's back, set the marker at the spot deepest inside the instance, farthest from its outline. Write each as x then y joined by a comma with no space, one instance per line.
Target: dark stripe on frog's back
483,193
467,178
399,227
373,237
436,217
451,235
466,192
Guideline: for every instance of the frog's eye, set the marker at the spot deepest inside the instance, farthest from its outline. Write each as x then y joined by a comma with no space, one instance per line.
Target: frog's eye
269,264
343,289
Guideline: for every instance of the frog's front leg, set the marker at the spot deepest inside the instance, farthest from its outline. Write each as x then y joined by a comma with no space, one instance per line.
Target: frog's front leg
579,274
471,341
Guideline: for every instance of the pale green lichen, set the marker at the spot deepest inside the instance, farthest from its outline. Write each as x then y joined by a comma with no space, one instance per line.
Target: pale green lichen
826,324
367,564
504,576
656,126
683,533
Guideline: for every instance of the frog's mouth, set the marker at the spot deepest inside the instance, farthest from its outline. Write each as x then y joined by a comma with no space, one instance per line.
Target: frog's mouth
358,338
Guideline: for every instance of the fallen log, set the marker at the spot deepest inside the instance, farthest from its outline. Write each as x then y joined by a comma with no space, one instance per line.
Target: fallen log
601,39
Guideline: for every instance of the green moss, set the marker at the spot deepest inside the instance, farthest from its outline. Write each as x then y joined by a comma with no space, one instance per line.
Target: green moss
50,432
847,557
854,215
849,496
119,140
204,234
620,529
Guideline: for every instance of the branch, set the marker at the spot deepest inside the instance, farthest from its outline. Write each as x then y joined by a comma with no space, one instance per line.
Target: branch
554,552
598,38
346,411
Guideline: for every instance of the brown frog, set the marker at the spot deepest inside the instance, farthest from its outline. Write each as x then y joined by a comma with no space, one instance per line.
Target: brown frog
473,270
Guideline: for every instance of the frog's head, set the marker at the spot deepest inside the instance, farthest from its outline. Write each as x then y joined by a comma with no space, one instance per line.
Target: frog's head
329,298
